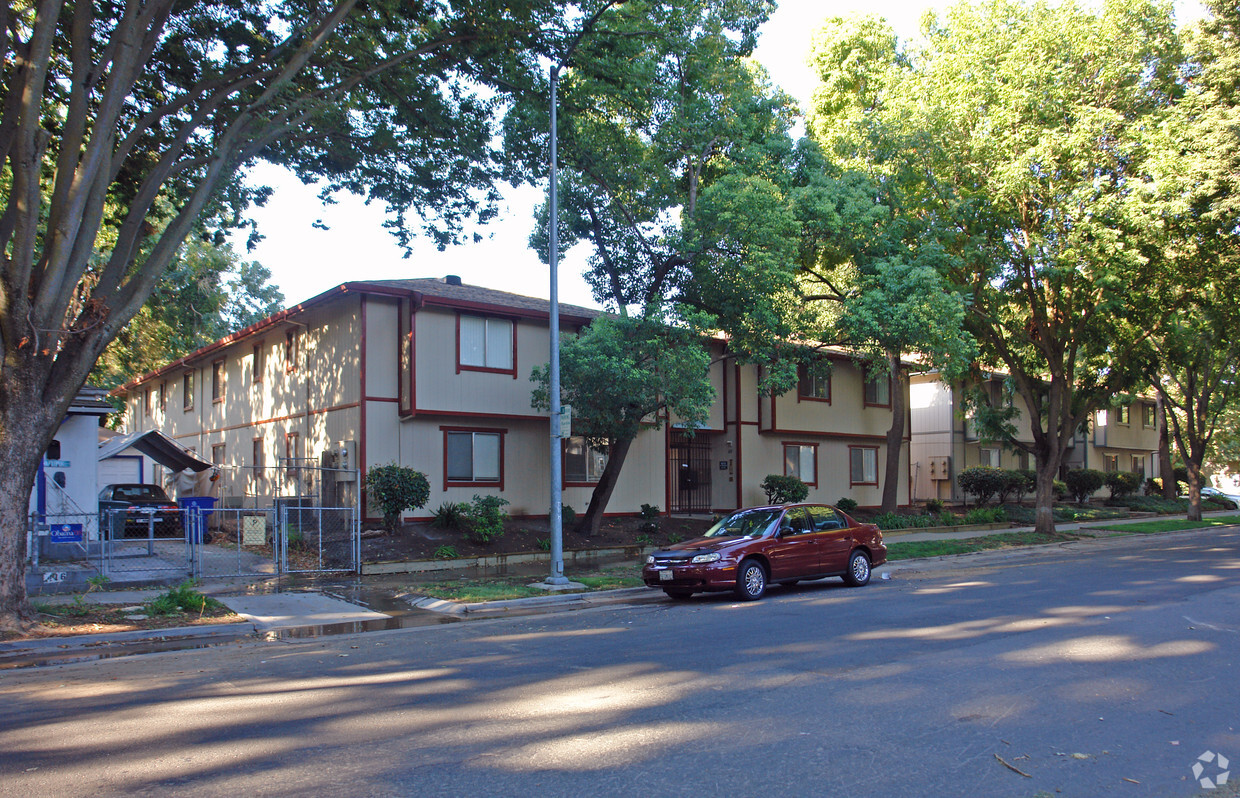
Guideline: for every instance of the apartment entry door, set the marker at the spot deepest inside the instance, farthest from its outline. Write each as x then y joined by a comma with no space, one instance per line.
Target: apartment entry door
689,468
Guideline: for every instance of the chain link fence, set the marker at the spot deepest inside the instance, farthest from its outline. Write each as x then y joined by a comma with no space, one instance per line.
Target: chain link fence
297,517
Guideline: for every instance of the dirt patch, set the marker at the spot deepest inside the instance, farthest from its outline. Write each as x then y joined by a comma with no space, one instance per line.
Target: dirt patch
425,542
97,619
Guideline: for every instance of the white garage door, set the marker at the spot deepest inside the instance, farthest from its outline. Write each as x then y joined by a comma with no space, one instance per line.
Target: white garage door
120,469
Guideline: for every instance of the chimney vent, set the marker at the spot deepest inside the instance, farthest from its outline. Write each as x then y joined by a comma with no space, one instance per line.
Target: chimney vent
452,279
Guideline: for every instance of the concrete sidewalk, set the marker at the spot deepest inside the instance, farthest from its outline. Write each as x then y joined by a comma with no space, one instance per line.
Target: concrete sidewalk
298,611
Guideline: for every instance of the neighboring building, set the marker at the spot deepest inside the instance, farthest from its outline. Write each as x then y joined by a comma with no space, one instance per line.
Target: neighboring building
435,375
66,484
944,442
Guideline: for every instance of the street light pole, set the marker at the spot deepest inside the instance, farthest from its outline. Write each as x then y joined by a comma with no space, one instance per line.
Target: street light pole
556,577
556,518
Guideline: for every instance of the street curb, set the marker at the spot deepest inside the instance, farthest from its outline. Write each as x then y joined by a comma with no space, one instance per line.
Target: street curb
530,606
57,650
61,650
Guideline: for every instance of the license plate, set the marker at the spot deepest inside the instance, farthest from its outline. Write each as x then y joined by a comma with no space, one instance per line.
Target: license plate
665,576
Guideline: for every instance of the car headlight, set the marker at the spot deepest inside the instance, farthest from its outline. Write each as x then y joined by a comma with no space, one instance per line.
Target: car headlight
649,559
703,558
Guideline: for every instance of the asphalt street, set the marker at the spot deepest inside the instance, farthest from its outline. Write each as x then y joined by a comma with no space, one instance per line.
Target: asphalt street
1097,668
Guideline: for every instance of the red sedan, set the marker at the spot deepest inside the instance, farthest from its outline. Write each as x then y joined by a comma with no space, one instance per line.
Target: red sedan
751,548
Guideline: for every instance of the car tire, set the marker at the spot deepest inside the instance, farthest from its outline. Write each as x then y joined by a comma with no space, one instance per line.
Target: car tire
858,572
678,595
750,580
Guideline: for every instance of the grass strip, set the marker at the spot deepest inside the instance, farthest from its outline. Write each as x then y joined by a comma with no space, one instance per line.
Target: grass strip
916,549
1169,525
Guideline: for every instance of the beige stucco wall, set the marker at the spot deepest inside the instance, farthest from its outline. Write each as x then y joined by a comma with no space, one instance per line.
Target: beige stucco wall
317,399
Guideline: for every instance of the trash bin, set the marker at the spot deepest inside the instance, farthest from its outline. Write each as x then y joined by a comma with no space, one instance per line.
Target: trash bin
195,510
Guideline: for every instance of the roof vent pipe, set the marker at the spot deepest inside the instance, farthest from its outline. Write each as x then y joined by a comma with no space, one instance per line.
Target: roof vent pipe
452,279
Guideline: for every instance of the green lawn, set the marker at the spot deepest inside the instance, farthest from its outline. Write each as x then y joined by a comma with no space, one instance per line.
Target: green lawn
501,588
1168,525
937,548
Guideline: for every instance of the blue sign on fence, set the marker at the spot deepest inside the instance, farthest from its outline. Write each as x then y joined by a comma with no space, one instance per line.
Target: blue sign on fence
66,533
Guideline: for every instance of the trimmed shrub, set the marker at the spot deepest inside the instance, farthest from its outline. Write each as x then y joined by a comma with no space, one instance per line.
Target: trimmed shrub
568,516
897,521
985,515
1060,487
1013,483
486,518
934,506
846,504
1083,482
784,490
982,482
650,511
394,489
1122,483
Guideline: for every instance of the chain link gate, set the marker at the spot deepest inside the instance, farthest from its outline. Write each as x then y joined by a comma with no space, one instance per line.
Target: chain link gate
319,539
234,542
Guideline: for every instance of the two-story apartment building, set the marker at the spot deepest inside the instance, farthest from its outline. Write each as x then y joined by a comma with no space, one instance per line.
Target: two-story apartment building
435,375
945,442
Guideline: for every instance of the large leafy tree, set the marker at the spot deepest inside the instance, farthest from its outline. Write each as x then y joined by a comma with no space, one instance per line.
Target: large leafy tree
620,374
207,293
1025,123
868,250
1190,199
674,154
123,125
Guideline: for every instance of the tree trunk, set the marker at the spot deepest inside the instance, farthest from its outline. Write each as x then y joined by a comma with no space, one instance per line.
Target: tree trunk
1194,490
895,436
1165,468
1044,501
606,485
23,441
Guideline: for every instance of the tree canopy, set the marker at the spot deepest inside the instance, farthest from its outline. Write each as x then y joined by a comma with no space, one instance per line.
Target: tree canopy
123,126
1023,124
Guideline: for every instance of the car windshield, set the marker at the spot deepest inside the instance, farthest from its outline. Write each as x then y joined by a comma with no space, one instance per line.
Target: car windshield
743,523
141,493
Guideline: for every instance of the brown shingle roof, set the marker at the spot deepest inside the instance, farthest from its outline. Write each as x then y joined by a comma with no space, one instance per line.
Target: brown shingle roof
441,288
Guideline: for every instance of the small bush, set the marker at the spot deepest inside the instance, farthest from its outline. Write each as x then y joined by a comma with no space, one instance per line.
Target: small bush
1122,483
1060,488
1083,482
486,517
983,482
934,506
784,490
650,511
450,515
985,515
568,516
394,489
1012,484
645,540
446,553
846,504
544,544
948,519
180,599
